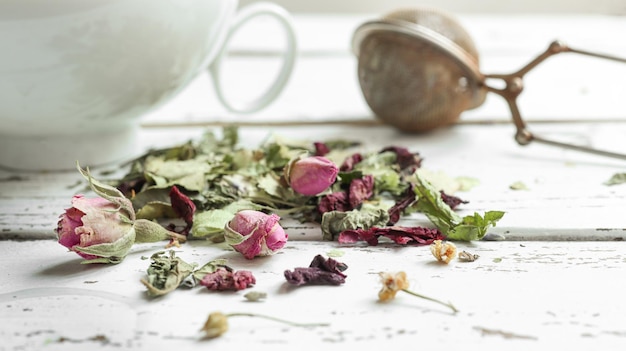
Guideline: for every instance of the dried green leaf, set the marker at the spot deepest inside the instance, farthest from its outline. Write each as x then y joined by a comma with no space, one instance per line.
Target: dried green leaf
166,273
453,226
156,210
334,222
210,224
616,179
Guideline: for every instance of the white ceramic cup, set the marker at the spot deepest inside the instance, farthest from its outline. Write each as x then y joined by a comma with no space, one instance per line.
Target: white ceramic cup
76,75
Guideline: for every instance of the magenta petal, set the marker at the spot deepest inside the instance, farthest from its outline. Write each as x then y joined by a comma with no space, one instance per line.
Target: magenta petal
66,227
254,233
276,237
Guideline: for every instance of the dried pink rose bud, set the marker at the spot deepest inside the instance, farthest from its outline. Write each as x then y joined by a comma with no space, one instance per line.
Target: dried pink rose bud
254,233
95,230
311,175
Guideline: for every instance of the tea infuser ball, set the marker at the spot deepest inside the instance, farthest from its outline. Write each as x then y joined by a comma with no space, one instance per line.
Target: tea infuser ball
418,69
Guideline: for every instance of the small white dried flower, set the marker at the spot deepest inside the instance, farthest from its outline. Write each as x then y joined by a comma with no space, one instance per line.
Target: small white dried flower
443,251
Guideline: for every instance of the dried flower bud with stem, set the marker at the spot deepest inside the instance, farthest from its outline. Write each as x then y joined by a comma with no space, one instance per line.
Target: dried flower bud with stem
217,323
395,282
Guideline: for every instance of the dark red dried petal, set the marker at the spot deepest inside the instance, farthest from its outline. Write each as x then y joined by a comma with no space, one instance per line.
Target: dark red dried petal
337,201
321,149
395,212
360,190
349,162
328,264
406,159
321,271
183,206
400,235
451,200
313,276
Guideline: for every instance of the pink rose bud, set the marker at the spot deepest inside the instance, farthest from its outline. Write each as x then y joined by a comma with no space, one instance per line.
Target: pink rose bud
311,175
95,230
254,233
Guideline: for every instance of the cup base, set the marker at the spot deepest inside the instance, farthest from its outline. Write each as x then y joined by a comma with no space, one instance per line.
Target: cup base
44,153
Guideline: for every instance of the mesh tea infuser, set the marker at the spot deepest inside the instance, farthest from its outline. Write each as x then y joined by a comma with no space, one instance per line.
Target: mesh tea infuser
419,70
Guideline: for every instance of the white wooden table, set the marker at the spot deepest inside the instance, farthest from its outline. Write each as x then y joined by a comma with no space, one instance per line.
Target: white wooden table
555,281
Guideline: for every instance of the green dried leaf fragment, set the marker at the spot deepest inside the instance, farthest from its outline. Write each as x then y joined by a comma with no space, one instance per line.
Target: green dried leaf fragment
190,174
452,225
255,296
616,179
166,273
518,185
156,210
430,203
272,186
207,268
474,227
334,222
210,224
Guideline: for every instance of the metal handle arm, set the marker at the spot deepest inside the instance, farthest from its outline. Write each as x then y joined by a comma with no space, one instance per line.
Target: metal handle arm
514,87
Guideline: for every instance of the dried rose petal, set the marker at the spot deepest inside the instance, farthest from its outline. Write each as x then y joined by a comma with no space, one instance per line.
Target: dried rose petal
254,233
451,200
337,201
183,206
311,175
321,149
226,279
360,190
395,212
406,159
348,163
321,271
400,235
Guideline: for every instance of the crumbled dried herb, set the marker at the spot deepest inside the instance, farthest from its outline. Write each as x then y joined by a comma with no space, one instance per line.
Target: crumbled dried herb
321,271
225,278
168,272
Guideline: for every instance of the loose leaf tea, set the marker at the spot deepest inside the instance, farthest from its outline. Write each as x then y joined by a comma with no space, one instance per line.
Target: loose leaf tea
208,181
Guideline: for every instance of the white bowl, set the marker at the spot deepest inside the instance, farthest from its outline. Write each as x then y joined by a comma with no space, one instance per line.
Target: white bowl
75,75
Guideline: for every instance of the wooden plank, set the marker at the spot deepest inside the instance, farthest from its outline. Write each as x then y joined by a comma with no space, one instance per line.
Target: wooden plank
515,296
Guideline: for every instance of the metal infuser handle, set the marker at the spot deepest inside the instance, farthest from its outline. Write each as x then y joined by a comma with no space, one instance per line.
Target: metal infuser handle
514,87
